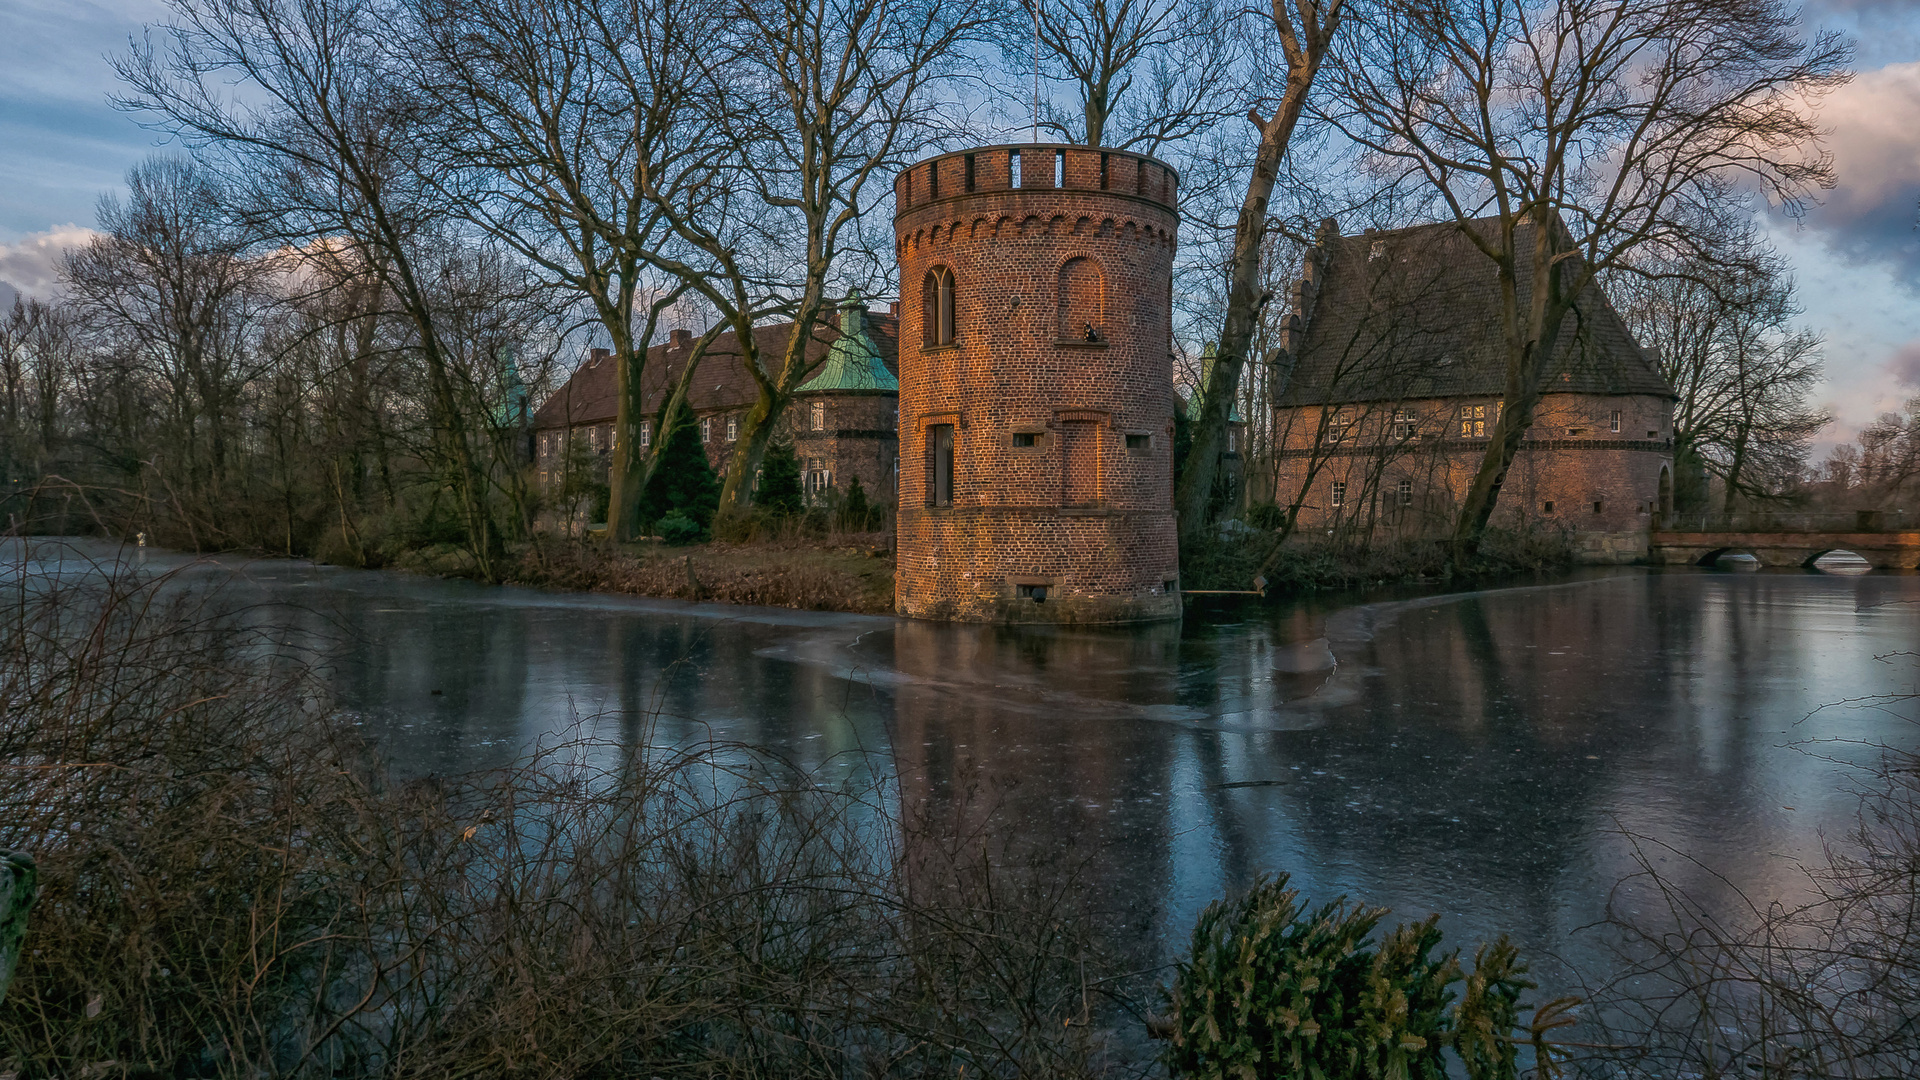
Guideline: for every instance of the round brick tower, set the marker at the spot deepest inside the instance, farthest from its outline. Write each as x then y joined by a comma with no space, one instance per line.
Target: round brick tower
1036,392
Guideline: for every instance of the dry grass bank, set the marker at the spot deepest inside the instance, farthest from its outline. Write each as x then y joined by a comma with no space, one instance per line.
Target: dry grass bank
847,572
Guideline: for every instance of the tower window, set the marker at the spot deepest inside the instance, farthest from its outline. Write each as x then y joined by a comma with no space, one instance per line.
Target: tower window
969,172
1596,507
940,465
817,414
1139,442
1547,507
1026,439
937,305
1082,300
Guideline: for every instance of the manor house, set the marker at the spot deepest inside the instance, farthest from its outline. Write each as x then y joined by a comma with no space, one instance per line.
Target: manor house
841,422
1392,371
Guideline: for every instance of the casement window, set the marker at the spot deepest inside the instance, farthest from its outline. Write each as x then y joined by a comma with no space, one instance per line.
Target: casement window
1405,490
646,434
937,307
733,428
1473,421
706,429
1403,424
1614,424
1337,494
817,416
940,465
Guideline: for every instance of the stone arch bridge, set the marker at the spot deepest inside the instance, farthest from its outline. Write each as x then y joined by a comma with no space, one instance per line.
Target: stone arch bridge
1889,540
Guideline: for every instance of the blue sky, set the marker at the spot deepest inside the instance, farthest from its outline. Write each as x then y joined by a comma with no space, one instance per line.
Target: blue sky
1857,256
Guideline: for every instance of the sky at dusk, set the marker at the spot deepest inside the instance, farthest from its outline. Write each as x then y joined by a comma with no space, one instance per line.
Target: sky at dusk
1857,255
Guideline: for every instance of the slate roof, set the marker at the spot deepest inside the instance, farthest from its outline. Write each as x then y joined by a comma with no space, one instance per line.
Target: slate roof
722,382
1415,313
853,363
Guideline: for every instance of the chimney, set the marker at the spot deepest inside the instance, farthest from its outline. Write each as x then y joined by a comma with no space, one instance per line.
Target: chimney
598,355
680,339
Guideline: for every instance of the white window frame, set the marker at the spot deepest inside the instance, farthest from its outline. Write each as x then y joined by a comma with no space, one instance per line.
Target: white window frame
1337,494
706,429
817,414
733,428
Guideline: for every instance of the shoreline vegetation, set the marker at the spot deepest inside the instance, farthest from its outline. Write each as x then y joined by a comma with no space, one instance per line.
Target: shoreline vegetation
232,883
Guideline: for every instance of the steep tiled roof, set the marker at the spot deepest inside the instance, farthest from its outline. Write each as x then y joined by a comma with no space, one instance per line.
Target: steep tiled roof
853,363
1415,313
721,383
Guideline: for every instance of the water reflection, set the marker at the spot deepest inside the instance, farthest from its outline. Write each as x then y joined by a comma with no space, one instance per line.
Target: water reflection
1481,755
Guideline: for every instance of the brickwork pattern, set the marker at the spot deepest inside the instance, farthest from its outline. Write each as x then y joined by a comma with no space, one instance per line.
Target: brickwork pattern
1057,385
1405,467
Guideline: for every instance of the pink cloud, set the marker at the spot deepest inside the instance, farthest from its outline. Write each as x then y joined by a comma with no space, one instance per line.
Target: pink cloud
1905,364
32,265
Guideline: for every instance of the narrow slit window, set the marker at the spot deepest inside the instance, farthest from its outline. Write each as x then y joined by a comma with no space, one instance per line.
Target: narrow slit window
1059,168
1104,177
1013,168
940,465
969,172
937,307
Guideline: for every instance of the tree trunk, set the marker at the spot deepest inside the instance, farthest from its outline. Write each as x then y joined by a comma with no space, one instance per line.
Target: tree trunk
1194,490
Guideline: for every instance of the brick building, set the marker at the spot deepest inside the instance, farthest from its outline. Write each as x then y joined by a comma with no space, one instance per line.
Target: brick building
1036,389
1390,376
841,421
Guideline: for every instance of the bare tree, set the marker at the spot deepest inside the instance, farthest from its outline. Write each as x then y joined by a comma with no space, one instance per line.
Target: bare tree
1305,32
1562,135
589,120
1720,322
330,140
1147,73
824,96
171,277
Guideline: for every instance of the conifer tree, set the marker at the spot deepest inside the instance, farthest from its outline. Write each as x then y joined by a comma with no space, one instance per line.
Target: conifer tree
779,492
857,514
684,480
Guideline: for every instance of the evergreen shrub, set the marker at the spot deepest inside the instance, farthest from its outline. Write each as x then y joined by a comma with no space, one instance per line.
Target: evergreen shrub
1272,989
677,529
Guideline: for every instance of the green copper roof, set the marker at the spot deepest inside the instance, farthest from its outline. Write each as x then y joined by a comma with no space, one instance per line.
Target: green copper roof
1207,360
853,363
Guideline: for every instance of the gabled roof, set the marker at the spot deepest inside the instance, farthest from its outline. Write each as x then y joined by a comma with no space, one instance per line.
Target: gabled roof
1415,313
853,363
721,383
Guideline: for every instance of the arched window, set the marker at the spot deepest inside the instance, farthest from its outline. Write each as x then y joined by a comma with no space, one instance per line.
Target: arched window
937,306
1083,301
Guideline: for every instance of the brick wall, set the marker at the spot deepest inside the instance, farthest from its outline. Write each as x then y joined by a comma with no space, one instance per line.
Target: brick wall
1404,467
1057,386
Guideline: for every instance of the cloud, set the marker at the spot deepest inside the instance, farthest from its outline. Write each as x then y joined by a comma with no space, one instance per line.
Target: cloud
1871,214
8,294
31,266
1905,364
